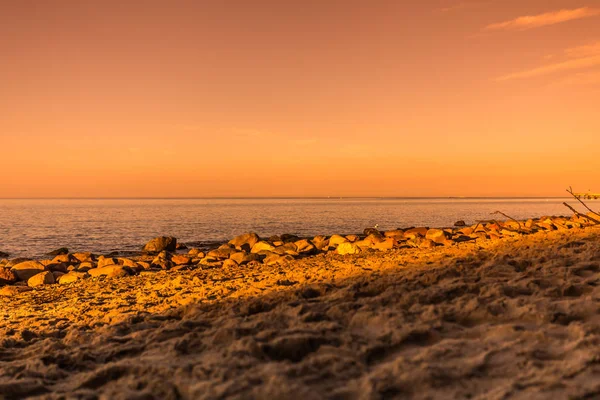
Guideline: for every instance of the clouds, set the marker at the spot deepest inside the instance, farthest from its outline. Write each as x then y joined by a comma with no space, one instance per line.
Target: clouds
545,19
570,65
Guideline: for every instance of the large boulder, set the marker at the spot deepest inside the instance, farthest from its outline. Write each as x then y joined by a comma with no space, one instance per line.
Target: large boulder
159,244
27,269
245,242
41,279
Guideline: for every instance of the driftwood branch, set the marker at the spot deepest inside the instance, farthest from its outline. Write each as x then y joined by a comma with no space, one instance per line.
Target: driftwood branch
582,215
507,216
570,191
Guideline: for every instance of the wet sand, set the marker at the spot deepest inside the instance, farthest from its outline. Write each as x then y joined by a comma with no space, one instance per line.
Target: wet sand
510,318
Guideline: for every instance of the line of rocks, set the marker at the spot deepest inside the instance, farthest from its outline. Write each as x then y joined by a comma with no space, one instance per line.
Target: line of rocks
18,275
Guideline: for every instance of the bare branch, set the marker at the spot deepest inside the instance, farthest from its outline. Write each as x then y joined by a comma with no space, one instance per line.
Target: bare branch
582,215
570,190
507,216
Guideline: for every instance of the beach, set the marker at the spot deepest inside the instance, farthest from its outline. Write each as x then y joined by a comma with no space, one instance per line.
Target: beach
513,316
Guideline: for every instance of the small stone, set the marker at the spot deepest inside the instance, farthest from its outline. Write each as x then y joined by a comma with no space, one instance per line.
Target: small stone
460,223
181,260
84,257
415,232
104,261
41,279
304,246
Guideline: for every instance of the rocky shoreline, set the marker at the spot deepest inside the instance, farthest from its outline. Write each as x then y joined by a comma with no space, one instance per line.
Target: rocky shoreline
249,250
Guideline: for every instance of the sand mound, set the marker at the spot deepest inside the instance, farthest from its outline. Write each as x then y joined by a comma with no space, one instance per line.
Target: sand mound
516,318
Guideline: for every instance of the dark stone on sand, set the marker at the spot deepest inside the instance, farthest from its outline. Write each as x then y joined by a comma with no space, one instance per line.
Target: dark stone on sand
460,223
287,237
58,252
372,231
159,244
181,246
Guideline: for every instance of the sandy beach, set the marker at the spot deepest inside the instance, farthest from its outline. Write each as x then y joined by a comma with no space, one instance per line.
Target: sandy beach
515,317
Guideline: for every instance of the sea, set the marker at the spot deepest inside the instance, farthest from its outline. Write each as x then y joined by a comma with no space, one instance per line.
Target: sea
33,227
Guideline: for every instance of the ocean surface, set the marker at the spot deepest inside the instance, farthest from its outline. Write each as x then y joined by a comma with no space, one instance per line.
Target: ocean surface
34,227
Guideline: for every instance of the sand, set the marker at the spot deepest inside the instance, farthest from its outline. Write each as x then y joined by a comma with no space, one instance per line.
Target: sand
512,318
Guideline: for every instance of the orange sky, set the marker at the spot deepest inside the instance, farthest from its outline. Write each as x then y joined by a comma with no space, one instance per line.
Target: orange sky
299,98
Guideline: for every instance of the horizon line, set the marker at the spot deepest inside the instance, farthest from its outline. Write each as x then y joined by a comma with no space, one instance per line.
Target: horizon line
279,197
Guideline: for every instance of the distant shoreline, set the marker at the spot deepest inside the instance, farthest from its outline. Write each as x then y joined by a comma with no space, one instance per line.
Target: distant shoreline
299,198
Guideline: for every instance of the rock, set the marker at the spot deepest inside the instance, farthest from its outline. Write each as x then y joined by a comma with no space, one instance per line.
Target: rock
244,258
260,246
374,238
466,231
58,252
181,246
426,244
415,232
10,291
347,248
15,261
437,235
460,223
181,260
273,259
396,234
245,242
7,277
65,258
336,240
159,244
85,266
62,267
221,253
126,262
104,261
385,245
110,271
372,231
4,255
41,279
27,269
286,248
287,237
352,238
84,257
320,242
196,253
304,246
72,277
229,263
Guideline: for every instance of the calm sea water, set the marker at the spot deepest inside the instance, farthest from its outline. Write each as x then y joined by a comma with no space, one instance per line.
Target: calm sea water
35,227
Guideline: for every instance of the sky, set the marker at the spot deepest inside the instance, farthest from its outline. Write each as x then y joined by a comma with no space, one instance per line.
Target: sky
239,98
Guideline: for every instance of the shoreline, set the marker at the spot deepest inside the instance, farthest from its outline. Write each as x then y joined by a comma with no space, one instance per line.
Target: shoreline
447,321
165,253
